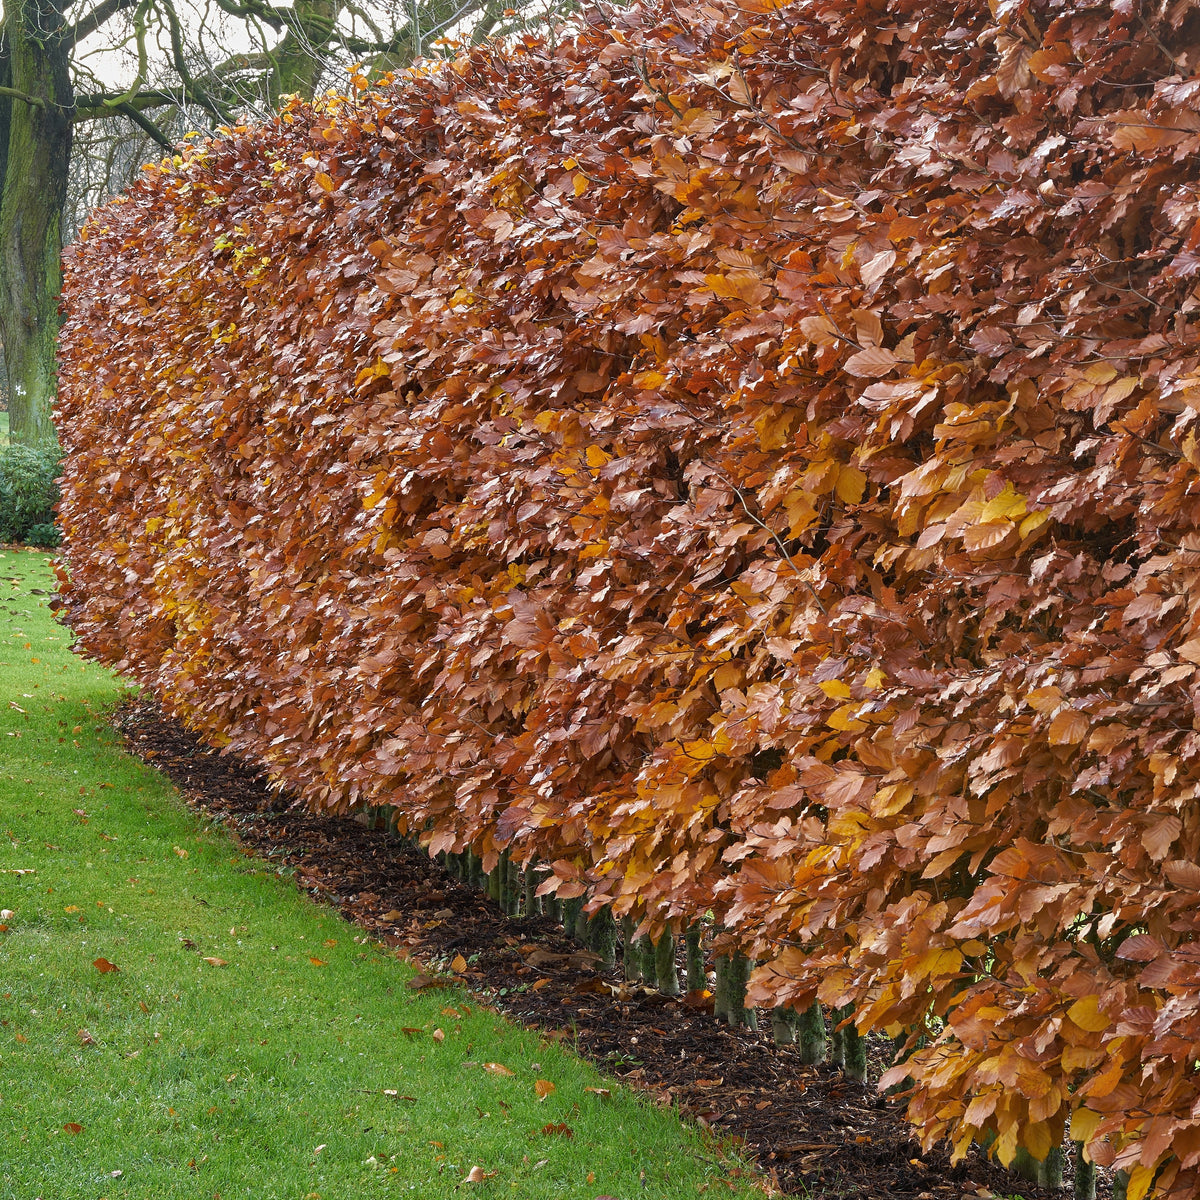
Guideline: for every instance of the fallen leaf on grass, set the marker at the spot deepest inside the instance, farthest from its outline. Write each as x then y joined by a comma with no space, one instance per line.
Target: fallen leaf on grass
421,981
603,1093
544,1088
71,908
498,1069
438,1035
559,1130
477,1175
317,962
216,962
104,966
73,1127
21,1038
410,1030
180,851
393,1094
85,1038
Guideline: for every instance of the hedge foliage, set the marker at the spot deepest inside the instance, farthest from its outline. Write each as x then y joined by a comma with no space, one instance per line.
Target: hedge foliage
745,456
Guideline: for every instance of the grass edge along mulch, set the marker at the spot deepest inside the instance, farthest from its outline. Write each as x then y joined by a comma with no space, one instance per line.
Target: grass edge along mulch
175,1022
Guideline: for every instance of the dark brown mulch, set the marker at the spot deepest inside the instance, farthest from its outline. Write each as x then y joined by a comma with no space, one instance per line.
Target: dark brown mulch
811,1130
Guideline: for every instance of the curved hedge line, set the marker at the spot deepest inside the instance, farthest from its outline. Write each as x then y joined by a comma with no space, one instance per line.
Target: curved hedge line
743,456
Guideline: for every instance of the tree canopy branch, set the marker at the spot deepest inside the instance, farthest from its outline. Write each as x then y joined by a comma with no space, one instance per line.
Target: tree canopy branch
92,21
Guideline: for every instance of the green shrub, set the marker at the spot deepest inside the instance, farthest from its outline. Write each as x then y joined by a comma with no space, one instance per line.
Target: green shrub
28,494
45,535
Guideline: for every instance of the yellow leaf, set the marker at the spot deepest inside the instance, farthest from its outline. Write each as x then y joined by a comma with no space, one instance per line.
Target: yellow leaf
649,380
1036,1139
835,689
700,750
851,484
1140,1179
845,719
596,457
891,799
1086,1013
324,181
774,429
1035,520
1084,1123
376,371
458,965
378,492
875,678
1010,503
580,184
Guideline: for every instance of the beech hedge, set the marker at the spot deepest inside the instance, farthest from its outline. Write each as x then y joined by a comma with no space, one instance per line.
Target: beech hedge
741,455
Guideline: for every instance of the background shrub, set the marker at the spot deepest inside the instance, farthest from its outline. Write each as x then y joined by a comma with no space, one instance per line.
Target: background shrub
28,494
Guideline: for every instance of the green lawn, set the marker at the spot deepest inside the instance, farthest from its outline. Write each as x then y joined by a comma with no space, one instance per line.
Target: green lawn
250,1044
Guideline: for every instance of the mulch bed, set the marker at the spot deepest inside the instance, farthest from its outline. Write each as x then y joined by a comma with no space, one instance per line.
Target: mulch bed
810,1130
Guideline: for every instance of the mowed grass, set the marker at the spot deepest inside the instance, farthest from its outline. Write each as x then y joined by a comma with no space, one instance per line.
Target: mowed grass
249,1043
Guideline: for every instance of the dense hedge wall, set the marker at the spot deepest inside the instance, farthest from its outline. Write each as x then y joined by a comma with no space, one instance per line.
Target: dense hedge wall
744,456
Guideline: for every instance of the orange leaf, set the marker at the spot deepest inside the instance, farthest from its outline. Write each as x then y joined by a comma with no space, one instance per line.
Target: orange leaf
497,1069
1068,728
544,1088
104,966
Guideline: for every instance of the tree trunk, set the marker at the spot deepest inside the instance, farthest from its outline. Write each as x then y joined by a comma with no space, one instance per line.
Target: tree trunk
697,980
35,151
811,1034
1085,1175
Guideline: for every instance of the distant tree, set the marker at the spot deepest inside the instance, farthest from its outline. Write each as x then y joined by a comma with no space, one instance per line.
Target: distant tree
184,65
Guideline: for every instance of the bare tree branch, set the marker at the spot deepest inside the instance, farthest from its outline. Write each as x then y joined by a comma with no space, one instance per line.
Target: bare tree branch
94,20
145,125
